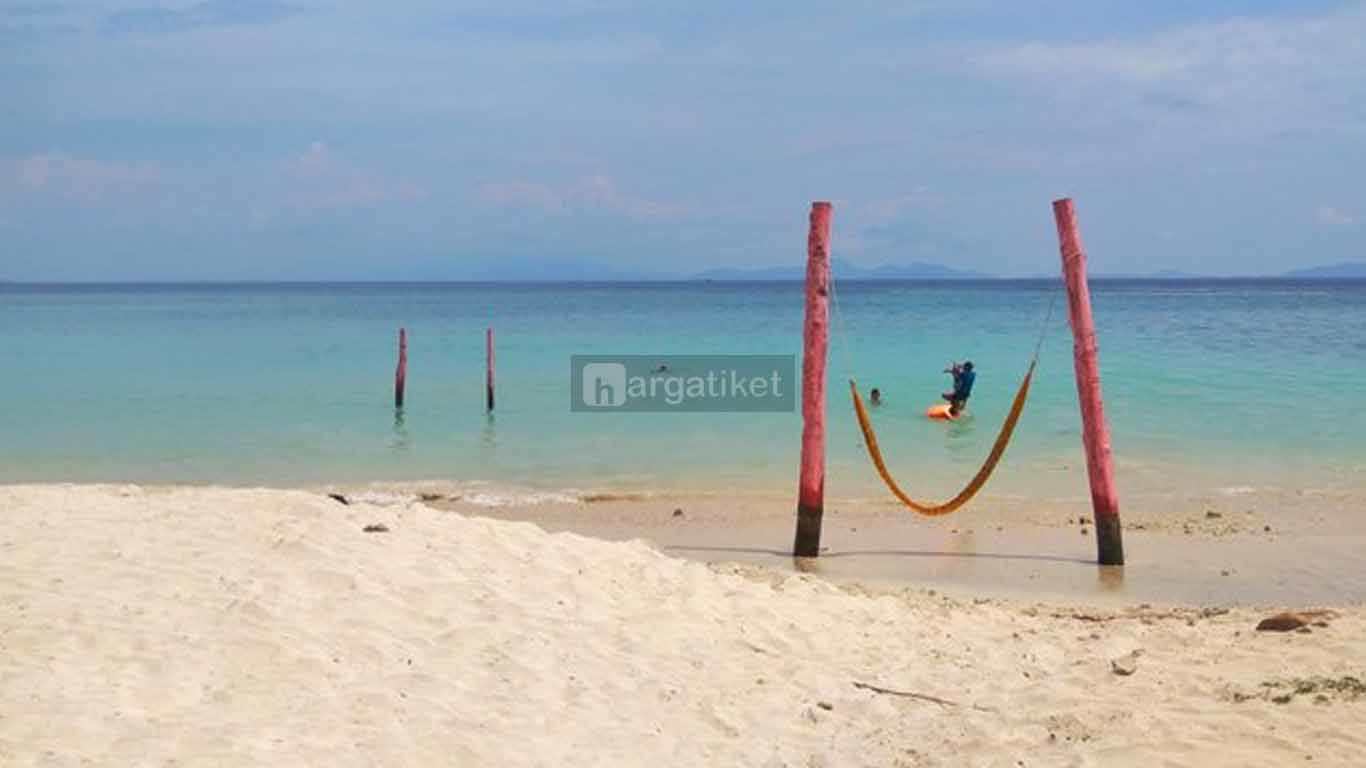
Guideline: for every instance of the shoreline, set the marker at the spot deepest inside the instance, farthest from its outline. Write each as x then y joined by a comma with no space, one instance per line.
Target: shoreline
1014,551
850,478
1246,547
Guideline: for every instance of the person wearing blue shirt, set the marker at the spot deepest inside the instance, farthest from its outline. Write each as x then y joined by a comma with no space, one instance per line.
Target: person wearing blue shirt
963,379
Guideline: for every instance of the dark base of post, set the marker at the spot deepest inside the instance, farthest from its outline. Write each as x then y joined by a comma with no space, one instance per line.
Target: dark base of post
490,399
808,542
1109,540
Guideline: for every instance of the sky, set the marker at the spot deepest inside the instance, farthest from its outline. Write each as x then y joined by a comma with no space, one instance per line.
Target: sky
460,139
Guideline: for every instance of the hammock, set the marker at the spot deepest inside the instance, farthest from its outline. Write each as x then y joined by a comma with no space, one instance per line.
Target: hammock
998,450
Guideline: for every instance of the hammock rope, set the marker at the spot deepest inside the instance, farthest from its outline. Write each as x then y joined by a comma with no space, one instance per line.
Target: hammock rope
998,448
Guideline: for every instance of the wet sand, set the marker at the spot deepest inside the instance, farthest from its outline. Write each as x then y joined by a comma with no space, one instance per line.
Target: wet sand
1223,549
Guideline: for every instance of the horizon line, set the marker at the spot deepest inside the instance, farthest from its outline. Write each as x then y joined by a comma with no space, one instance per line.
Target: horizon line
629,281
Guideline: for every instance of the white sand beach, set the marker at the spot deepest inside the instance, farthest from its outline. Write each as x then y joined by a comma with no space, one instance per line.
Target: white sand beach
235,627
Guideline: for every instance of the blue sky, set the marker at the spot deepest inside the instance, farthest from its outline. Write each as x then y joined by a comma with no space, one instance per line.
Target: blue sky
448,139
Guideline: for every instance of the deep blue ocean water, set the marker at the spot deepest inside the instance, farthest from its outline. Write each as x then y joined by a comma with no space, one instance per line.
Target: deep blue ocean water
1228,382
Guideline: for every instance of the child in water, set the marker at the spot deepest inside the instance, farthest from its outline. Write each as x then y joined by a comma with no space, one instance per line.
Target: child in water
875,396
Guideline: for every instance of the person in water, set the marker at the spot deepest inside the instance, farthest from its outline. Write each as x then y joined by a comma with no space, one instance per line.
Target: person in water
875,396
963,379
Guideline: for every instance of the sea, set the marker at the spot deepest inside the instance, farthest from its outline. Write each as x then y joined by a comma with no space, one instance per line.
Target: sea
1222,385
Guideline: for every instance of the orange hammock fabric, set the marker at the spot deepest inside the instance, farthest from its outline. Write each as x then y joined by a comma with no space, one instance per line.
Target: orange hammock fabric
998,450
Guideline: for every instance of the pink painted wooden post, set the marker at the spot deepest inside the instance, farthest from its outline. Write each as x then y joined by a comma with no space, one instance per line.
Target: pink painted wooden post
1095,432
401,374
815,339
488,344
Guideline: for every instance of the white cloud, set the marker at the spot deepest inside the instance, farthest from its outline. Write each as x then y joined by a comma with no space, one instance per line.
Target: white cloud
523,194
1334,217
1257,75
590,193
314,180
918,199
1137,62
317,179
80,179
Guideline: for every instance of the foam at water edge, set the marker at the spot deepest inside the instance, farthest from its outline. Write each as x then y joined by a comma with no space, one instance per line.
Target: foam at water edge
517,498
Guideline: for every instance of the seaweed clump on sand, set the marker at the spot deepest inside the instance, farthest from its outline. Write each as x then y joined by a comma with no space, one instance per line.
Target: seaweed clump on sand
1324,690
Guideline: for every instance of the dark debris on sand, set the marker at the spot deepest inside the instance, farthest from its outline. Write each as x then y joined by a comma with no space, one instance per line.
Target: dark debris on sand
1324,690
1290,621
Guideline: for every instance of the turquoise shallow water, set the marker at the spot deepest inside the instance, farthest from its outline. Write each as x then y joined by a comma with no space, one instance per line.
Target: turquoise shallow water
1236,383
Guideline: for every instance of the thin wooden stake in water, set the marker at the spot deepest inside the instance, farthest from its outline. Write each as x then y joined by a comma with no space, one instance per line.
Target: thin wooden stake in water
815,341
1095,432
401,374
489,359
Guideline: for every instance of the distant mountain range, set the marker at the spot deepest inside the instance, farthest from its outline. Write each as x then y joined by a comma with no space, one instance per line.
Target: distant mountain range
574,270
843,270
567,270
547,270
1161,274
1348,269
917,270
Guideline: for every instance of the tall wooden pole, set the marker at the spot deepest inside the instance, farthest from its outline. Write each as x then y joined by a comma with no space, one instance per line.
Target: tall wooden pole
1095,432
488,359
815,342
401,373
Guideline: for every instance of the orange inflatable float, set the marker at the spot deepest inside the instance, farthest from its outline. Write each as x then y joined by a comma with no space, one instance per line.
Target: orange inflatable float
940,412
